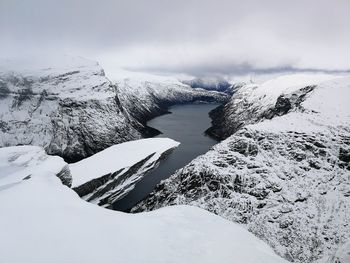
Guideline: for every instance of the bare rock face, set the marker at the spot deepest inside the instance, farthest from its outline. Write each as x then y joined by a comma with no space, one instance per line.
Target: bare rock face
284,173
65,176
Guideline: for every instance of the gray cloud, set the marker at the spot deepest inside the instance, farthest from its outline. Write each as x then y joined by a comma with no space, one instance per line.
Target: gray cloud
195,37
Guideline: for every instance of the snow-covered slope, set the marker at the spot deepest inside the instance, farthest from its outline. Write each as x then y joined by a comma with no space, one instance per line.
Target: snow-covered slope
284,173
110,174
256,102
66,105
44,221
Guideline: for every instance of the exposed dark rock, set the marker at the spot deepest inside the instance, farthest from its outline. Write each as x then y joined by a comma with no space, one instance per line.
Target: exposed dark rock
344,155
65,176
27,177
282,106
4,90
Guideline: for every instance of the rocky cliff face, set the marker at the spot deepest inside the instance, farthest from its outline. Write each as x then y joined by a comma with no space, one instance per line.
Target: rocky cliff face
71,110
284,173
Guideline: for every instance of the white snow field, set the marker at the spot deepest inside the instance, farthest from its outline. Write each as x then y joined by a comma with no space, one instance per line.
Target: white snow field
119,156
44,221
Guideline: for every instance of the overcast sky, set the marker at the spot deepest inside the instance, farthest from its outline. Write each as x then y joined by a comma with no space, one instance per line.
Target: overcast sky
183,36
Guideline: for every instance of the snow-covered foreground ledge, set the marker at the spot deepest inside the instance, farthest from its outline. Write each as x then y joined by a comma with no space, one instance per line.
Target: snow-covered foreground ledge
43,220
110,174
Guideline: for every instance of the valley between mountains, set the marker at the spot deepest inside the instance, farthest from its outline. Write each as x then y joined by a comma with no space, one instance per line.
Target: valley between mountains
275,188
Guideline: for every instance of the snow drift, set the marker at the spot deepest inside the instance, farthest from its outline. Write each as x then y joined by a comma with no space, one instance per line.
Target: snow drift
43,220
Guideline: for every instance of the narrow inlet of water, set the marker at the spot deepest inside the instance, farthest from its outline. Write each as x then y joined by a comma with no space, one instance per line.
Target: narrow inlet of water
186,124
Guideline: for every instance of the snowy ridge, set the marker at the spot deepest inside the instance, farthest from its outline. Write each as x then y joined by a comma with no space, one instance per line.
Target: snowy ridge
110,174
285,171
41,216
253,103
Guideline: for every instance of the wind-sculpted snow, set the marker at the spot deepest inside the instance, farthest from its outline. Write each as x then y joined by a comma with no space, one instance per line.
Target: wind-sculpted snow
43,221
110,174
284,173
69,107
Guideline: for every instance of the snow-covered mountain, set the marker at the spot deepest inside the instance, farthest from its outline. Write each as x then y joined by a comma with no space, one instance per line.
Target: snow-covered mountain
285,171
68,106
43,220
213,83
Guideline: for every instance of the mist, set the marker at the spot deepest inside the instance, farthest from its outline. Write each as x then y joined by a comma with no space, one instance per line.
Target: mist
183,37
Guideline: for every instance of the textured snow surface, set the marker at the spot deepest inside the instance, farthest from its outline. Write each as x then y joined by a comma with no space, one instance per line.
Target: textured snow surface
44,221
19,162
284,173
342,255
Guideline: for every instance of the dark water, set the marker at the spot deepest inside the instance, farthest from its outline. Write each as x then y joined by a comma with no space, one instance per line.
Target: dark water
186,124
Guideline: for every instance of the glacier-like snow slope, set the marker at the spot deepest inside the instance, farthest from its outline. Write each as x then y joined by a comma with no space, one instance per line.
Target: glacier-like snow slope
110,174
285,171
43,221
65,105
